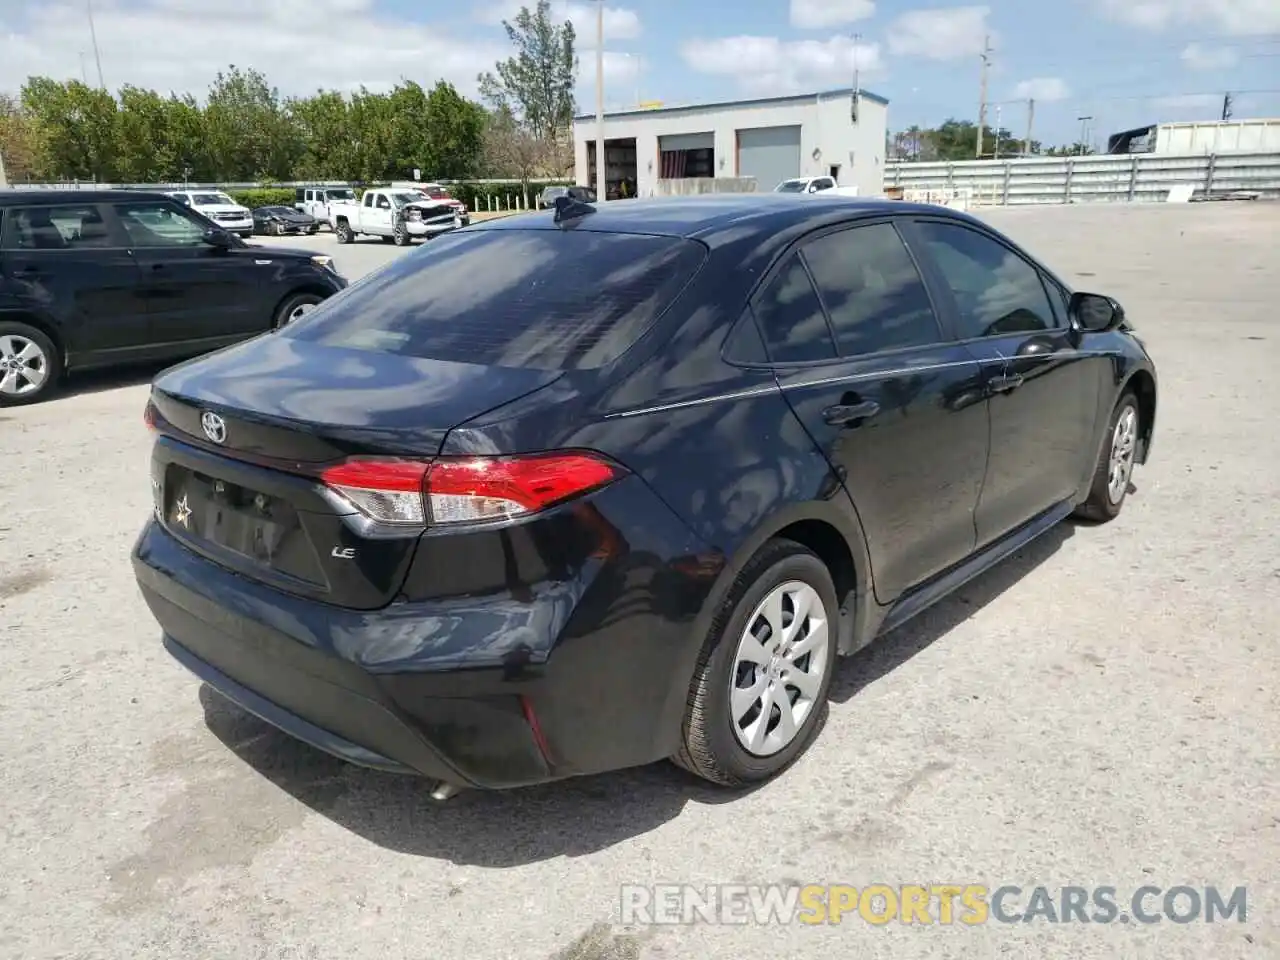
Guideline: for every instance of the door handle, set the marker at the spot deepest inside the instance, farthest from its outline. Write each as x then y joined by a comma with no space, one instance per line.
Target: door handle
843,413
1004,383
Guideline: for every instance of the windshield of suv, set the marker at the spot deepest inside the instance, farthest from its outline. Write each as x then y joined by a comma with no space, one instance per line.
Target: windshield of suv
436,193
790,186
524,314
211,199
340,194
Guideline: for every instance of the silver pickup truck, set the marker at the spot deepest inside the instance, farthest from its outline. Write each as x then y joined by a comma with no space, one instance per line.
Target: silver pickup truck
395,215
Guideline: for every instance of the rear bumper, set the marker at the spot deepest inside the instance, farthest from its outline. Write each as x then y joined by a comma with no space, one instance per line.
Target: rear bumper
442,688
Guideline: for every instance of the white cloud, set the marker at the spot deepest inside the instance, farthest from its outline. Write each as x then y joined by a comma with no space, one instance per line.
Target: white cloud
767,65
1044,89
1235,17
180,45
1197,56
624,76
620,23
814,14
948,33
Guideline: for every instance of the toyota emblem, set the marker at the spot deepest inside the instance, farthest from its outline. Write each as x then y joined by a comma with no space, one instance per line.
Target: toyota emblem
215,428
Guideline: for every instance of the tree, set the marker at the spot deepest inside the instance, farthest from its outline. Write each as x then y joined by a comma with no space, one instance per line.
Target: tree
22,143
248,133
79,124
535,86
456,129
324,124
511,149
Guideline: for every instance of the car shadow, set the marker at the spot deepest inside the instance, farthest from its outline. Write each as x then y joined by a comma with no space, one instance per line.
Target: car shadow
506,828
568,818
895,648
116,378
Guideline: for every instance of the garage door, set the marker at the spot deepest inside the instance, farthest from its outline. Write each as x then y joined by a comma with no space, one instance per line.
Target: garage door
687,141
770,154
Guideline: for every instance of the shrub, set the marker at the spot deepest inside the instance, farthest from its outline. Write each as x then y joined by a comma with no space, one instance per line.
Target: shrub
264,197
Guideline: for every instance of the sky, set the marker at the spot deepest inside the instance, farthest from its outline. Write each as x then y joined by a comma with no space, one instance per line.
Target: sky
1126,63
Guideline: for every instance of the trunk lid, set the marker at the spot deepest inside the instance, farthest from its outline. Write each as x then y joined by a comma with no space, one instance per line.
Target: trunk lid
245,432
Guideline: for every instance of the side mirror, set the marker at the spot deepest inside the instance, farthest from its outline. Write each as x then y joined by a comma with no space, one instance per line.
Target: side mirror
1095,313
813,188
218,238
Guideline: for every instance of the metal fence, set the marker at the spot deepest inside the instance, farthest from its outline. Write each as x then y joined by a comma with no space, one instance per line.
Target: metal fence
1091,179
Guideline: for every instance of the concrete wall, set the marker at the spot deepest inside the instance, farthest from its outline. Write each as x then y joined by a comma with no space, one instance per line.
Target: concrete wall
824,121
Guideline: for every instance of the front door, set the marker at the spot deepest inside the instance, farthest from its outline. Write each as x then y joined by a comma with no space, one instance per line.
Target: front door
896,407
198,295
68,261
1043,389
381,217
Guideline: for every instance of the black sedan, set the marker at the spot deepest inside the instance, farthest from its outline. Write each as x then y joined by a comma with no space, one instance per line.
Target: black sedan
103,278
636,514
277,221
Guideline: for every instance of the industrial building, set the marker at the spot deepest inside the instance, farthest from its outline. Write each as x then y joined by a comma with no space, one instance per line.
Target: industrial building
649,152
1212,136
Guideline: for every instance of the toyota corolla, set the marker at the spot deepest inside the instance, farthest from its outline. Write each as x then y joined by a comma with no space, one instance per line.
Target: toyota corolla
594,487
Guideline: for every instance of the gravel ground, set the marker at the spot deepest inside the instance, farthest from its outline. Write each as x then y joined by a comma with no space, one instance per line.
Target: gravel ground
1100,709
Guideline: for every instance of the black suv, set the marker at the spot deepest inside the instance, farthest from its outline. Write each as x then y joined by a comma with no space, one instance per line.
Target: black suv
105,278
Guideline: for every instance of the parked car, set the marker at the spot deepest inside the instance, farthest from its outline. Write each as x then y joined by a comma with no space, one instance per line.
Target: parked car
549,195
441,194
498,530
219,208
398,216
276,221
317,200
813,185
104,278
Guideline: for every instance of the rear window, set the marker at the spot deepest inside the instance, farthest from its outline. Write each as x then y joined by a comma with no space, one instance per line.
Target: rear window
540,299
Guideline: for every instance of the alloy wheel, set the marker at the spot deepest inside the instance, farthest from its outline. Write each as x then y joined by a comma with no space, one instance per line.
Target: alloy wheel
24,368
778,668
1124,441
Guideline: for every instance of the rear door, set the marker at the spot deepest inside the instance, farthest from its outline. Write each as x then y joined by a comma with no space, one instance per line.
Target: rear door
1043,388
70,261
196,293
894,404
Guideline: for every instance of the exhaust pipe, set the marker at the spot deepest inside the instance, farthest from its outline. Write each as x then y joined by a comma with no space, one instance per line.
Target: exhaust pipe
445,791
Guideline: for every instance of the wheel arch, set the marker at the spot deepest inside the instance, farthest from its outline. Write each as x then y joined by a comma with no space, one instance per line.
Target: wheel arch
40,323
1143,385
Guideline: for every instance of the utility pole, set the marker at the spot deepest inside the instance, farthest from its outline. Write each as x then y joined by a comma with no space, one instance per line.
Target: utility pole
982,96
1031,118
1084,127
1226,106
600,169
997,153
857,83
3,181
93,35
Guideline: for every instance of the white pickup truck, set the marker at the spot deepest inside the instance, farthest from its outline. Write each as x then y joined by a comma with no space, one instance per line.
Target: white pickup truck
394,215
823,185
317,200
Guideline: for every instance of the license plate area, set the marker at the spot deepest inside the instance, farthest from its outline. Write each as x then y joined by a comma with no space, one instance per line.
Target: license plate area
223,516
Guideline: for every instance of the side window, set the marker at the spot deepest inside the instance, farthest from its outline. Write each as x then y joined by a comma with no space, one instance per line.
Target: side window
368,199
70,227
996,291
1060,299
872,290
824,183
743,344
791,318
156,224
383,202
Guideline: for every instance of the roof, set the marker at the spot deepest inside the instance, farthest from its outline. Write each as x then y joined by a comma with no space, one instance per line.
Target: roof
9,198
724,104
715,218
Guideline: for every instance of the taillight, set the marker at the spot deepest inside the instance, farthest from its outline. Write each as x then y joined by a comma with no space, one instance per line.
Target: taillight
466,490
149,415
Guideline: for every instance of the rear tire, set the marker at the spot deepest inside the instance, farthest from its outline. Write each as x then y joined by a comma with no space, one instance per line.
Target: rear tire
293,308
342,231
757,662
1115,463
30,365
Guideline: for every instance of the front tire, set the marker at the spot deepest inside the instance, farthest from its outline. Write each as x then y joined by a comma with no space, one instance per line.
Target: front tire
294,308
30,367
1115,463
400,237
759,693
342,232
